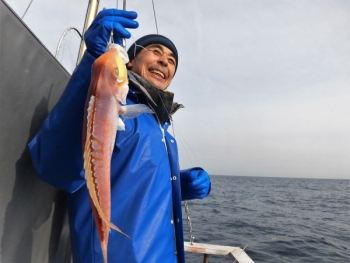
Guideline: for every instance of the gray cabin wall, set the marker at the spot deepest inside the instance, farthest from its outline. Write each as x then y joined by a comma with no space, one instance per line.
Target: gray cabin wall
33,220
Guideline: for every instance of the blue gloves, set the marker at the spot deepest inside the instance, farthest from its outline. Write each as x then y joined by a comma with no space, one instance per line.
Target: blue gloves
195,184
97,35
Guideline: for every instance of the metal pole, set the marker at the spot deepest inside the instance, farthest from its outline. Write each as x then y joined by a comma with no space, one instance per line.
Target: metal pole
90,15
124,40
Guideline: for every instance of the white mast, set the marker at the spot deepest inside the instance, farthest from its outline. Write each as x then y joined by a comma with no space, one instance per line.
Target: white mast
90,16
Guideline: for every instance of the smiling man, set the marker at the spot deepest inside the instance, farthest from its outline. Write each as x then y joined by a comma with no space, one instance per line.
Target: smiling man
154,58
147,185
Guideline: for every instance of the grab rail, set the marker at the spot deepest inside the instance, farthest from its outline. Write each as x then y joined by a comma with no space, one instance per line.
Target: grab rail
236,253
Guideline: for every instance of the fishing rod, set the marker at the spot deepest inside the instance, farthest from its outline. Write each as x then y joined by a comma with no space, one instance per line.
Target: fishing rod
90,16
124,40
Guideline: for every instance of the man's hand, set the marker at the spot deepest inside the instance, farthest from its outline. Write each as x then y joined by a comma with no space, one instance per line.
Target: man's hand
97,36
195,185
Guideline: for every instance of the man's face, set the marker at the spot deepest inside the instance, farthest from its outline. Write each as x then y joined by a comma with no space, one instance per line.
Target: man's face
156,63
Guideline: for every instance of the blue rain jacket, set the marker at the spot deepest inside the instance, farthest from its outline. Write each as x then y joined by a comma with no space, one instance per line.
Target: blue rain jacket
145,180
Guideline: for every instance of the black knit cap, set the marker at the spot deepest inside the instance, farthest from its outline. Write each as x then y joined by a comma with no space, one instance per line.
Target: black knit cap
152,39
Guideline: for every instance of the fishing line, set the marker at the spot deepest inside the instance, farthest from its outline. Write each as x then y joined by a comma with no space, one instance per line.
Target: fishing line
155,18
182,141
182,144
27,9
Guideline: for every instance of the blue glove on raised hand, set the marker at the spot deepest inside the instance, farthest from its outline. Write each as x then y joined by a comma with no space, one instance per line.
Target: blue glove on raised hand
98,34
195,184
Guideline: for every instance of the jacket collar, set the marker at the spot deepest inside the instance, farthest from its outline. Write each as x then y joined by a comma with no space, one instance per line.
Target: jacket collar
160,101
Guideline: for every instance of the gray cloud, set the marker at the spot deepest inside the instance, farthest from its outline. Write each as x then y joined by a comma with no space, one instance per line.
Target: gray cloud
265,83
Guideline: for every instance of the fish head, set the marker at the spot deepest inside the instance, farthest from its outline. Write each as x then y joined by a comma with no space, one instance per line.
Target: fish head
121,74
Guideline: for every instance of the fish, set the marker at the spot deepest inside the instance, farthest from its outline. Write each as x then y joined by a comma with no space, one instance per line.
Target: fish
108,87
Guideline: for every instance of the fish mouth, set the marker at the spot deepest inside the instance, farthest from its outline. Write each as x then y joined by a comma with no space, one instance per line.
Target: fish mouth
157,72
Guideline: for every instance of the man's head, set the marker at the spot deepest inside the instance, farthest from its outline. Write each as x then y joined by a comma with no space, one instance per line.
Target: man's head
155,58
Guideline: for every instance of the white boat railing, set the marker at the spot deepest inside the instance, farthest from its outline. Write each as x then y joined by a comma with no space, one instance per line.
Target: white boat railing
236,253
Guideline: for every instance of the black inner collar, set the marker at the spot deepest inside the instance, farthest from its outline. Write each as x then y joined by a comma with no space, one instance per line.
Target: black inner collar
160,101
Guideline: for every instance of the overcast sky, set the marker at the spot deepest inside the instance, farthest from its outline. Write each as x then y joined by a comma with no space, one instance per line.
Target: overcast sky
265,84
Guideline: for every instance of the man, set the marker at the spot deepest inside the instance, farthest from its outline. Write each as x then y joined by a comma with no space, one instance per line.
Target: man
147,185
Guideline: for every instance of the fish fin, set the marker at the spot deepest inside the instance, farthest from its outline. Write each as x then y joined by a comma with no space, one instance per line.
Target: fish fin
132,111
89,176
121,125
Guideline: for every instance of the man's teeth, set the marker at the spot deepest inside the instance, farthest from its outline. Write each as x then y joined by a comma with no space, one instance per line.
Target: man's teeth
158,73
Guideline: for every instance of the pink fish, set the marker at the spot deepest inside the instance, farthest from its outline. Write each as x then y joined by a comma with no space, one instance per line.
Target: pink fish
108,87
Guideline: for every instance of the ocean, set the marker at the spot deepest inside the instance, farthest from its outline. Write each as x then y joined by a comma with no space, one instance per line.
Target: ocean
278,219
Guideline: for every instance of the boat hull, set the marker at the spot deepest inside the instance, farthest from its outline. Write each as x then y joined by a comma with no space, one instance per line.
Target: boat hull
33,218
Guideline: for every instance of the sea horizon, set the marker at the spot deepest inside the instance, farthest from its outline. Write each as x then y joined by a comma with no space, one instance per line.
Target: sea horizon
280,220
281,177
